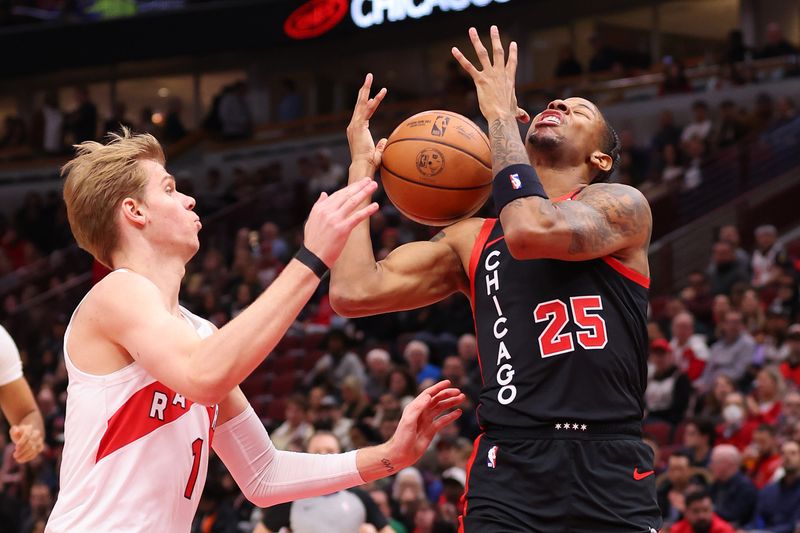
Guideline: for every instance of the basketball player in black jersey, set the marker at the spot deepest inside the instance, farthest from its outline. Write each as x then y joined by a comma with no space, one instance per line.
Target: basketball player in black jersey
558,287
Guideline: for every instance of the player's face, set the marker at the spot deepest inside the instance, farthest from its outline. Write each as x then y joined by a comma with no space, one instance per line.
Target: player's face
574,124
171,221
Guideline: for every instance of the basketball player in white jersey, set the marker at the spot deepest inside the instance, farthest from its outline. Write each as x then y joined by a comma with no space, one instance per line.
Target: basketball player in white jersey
18,404
153,387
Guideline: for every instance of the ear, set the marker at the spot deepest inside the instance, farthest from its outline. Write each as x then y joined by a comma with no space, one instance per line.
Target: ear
601,161
133,212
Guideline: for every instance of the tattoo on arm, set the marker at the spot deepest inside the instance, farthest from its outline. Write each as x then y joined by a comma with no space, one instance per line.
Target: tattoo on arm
507,146
614,213
439,236
388,464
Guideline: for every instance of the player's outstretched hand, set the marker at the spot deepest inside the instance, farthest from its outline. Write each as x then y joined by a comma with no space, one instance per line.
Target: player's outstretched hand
28,441
362,146
333,218
422,419
495,82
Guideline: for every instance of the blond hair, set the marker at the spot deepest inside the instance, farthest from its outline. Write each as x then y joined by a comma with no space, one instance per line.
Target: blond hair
98,179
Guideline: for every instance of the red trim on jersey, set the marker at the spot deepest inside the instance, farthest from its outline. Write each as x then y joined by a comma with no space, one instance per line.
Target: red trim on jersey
569,196
477,248
212,423
628,272
488,244
132,421
470,462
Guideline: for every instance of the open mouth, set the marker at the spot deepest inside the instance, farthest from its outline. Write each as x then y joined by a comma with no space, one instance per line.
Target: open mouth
549,118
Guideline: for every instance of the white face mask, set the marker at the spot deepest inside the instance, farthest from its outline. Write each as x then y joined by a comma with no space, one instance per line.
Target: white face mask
732,414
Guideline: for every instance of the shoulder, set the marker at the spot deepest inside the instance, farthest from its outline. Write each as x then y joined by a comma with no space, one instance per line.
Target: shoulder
614,193
8,348
462,235
119,297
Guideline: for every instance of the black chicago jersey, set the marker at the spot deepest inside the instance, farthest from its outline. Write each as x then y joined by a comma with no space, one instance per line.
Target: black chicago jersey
559,342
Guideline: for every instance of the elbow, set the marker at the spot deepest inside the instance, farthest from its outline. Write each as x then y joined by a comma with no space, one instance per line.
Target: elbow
523,241
348,302
206,389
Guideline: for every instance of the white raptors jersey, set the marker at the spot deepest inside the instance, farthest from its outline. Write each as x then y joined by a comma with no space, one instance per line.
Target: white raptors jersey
135,452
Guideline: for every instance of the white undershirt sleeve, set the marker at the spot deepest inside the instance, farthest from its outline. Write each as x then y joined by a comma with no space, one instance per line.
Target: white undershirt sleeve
268,476
10,363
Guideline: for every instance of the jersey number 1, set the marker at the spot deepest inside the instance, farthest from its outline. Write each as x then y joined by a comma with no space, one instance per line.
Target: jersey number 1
553,342
197,449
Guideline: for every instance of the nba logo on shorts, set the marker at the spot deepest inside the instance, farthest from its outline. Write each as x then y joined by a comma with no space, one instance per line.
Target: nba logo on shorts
491,458
516,183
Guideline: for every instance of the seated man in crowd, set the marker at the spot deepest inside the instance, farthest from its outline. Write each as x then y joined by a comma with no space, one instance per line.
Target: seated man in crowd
733,494
778,509
700,516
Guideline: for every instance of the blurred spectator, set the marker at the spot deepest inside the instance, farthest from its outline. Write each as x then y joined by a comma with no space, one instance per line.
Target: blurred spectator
378,367
725,269
763,115
790,367
330,417
40,503
752,312
778,508
117,120
730,129
14,133
695,154
701,126
689,348
700,516
453,370
737,426
775,44
408,492
698,298
173,130
671,491
714,401
356,403
234,113
290,104
672,171
667,133
668,388
635,158
765,402
767,254
48,125
568,65
82,121
325,513
698,440
762,457
381,499
785,110
295,431
329,175
733,494
790,415
417,354
675,81
337,363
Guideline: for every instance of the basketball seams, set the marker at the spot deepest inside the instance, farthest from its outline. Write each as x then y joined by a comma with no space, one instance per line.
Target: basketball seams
442,187
433,141
465,120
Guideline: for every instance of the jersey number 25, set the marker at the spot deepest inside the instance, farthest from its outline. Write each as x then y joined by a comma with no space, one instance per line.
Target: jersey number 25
553,341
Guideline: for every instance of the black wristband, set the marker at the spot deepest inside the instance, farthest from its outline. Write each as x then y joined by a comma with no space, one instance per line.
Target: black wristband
516,181
310,259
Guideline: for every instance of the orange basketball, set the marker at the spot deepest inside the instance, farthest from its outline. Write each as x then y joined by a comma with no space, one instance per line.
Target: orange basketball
437,168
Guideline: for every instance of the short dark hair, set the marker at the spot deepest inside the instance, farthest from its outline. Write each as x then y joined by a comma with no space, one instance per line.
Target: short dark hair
766,428
681,453
696,496
705,426
610,145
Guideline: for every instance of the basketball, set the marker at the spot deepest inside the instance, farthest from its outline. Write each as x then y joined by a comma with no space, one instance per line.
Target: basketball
437,168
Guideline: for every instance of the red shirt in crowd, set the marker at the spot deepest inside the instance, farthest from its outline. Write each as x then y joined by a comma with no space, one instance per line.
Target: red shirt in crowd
718,525
741,438
769,416
762,471
791,373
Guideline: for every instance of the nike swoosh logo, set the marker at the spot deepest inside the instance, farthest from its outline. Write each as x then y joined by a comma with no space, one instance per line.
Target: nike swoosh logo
638,476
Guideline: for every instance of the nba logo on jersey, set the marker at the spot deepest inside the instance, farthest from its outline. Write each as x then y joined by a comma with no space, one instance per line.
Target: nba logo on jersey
491,457
516,183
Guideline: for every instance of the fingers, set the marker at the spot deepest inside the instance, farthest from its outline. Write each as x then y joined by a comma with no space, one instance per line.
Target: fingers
373,103
449,403
16,433
436,388
28,443
365,212
511,66
337,199
363,92
497,46
445,420
523,116
483,55
465,63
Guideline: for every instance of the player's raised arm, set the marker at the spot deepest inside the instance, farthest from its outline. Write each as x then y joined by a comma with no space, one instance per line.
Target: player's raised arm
413,275
602,219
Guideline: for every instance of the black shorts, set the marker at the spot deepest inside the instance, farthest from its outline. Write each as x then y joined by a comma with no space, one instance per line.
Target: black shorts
560,484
